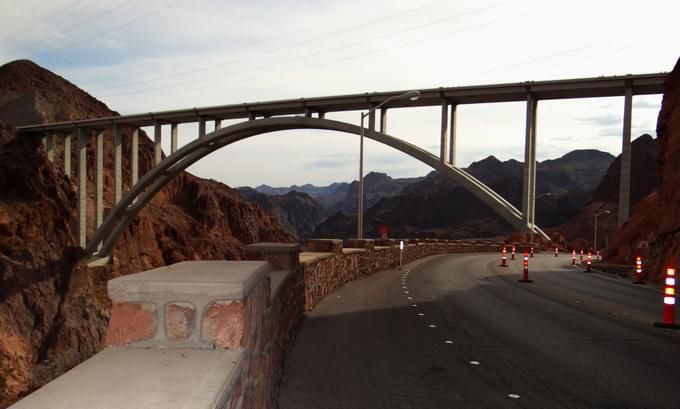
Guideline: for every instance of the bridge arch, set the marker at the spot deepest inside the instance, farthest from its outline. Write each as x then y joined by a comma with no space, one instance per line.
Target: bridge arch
153,181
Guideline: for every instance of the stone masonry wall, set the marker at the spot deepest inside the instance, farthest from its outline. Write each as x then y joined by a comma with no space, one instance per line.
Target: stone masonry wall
276,322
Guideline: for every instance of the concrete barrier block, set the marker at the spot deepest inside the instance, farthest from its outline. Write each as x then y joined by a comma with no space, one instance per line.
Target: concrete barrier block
282,256
367,244
325,246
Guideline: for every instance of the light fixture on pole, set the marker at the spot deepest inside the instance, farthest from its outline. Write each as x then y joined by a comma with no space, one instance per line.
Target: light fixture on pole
412,95
595,234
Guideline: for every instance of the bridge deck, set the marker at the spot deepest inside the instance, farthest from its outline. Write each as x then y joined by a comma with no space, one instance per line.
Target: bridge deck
641,84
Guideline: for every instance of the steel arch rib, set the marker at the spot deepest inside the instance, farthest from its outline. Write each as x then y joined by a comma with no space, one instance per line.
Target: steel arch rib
153,181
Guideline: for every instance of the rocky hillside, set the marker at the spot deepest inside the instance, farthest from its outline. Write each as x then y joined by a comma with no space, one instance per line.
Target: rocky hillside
644,180
53,309
436,207
653,229
297,212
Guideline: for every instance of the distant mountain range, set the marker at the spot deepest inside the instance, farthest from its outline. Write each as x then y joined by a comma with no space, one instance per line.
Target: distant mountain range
434,206
342,196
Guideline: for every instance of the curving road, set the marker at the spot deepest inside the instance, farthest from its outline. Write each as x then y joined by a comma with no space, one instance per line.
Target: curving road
472,336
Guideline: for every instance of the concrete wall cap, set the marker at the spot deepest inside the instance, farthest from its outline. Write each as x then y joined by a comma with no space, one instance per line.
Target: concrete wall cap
227,280
268,248
119,378
334,241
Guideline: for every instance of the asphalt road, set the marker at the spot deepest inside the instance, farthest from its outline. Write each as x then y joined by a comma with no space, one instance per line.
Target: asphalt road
472,336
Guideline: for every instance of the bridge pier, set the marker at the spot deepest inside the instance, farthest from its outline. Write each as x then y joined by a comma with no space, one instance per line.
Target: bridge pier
82,187
48,143
201,127
529,185
67,154
452,135
173,137
383,120
157,148
443,149
118,163
624,180
371,119
99,180
135,157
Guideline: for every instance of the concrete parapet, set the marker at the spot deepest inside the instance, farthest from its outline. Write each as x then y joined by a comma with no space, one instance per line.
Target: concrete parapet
197,304
284,256
325,246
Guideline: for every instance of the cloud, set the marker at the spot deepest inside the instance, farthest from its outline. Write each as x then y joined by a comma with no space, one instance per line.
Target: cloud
340,161
607,120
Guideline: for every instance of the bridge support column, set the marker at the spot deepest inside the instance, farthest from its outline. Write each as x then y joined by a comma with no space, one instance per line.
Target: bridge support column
134,171
529,186
82,187
201,127
624,180
99,181
452,135
67,155
173,138
48,143
50,147
371,120
383,120
218,124
443,150
118,163
157,148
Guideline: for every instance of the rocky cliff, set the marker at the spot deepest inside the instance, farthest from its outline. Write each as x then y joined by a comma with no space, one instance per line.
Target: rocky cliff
53,309
644,180
653,229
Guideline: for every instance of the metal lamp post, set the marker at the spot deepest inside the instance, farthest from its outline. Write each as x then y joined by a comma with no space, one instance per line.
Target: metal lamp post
595,233
412,95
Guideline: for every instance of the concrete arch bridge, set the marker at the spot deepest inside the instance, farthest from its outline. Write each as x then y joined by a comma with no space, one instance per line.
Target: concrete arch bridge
265,117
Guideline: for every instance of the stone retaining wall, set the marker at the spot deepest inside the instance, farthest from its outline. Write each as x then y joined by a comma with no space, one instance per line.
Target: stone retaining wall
318,274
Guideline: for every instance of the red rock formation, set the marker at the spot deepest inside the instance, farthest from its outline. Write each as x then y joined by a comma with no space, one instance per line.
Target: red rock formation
53,309
653,229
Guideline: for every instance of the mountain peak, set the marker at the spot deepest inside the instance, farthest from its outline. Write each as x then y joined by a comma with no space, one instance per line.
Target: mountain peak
31,94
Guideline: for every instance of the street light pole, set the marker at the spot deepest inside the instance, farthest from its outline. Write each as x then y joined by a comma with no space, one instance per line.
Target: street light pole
412,95
360,203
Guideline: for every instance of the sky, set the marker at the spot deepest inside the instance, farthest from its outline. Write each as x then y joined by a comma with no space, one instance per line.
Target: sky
154,55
